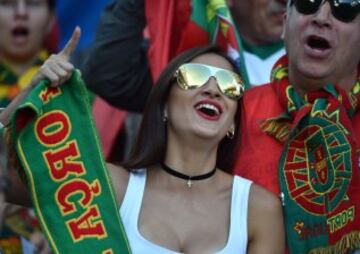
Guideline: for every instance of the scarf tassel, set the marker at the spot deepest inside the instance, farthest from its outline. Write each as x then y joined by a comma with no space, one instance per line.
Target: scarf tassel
280,130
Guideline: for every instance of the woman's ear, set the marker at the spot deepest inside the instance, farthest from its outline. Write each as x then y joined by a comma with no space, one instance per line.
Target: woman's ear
232,126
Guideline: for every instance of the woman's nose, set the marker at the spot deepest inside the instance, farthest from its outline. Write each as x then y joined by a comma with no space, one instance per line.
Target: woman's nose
211,88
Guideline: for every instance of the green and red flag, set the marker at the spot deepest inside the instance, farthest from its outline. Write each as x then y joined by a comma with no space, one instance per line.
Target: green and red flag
175,26
58,148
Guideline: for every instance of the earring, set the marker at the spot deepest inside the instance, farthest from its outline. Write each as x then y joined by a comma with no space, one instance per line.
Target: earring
165,117
231,133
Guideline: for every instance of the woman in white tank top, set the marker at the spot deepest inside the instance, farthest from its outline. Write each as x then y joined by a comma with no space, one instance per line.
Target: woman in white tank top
176,191
178,200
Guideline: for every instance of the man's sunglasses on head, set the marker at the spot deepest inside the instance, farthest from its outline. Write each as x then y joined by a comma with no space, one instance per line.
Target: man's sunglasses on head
343,10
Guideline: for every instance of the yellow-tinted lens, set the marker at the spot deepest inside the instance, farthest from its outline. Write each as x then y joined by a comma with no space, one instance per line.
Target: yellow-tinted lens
192,76
229,83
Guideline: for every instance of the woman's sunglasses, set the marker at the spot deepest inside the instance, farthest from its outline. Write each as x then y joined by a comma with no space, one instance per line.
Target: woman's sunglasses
343,10
194,75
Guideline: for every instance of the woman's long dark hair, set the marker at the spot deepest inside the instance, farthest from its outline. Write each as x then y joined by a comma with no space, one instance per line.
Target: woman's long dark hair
150,147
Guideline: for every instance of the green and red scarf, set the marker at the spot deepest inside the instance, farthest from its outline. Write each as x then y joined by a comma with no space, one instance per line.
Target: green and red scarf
175,26
319,166
58,148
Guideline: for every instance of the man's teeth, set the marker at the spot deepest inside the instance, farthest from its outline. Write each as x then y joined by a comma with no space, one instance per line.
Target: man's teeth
209,107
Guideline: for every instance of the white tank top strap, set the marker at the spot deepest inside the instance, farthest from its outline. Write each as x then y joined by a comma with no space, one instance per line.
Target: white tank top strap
131,205
238,233
130,212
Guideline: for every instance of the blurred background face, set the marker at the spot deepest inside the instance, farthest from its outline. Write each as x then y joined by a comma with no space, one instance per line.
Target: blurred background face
259,21
320,47
23,27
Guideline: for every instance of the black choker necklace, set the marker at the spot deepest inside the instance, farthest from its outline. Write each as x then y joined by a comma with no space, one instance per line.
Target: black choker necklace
188,178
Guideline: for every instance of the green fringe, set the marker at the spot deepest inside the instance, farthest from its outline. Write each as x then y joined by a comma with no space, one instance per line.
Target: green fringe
348,242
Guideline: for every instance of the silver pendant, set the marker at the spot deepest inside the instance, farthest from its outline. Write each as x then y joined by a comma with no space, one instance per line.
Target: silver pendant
189,183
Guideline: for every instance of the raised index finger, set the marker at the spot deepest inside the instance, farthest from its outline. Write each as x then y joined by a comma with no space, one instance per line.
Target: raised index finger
71,44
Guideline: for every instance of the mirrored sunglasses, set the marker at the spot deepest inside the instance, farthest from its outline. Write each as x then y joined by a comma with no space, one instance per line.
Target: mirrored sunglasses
194,75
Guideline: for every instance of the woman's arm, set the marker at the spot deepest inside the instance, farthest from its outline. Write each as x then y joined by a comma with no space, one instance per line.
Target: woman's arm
265,223
120,178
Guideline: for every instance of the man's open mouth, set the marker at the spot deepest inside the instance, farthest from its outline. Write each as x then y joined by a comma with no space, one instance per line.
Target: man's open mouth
20,31
318,43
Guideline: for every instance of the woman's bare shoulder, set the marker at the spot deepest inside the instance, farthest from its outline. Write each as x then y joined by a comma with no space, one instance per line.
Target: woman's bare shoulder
120,177
265,222
261,199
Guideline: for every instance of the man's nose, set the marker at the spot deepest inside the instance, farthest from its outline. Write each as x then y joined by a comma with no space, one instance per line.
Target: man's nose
20,9
323,16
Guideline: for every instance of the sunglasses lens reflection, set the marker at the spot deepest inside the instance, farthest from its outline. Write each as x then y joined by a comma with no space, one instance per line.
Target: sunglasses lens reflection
190,76
228,84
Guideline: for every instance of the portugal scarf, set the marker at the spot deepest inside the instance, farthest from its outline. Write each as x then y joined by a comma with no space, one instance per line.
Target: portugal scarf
318,169
175,26
58,148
